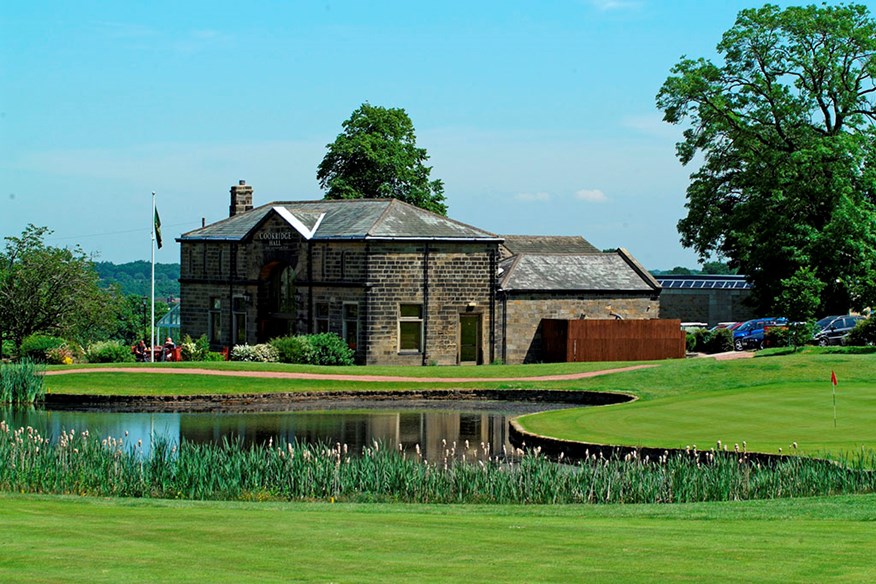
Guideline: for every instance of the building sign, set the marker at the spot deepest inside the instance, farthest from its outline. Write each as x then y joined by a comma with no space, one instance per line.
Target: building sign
276,238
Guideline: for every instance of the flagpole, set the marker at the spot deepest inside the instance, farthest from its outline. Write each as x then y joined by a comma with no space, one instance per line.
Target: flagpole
833,383
152,318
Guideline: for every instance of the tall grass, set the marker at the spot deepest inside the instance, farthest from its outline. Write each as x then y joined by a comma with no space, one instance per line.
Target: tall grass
22,383
78,463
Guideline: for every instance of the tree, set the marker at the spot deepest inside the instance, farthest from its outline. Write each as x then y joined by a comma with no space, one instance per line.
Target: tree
717,268
376,156
785,131
50,290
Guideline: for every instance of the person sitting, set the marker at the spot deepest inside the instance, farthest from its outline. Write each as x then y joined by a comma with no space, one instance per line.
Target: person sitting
140,351
167,350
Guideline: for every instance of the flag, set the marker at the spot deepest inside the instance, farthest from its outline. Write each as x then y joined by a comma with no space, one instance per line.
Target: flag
157,229
833,378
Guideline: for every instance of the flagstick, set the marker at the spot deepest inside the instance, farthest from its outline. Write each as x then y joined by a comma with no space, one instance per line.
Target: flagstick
152,319
834,406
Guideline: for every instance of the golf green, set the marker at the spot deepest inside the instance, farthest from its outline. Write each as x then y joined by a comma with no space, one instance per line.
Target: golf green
767,418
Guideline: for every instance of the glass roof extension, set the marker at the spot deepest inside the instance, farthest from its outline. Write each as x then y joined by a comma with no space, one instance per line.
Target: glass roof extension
704,282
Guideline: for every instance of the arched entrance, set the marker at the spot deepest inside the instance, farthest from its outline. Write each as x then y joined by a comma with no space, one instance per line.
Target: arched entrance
277,307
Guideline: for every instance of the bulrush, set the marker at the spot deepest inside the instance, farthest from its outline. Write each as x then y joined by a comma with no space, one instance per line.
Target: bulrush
31,463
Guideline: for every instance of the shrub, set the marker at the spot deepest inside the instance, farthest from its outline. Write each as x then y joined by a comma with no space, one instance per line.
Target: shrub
776,337
690,342
9,349
330,349
21,383
108,352
321,349
60,356
264,353
707,341
864,333
36,347
196,350
719,341
213,356
294,349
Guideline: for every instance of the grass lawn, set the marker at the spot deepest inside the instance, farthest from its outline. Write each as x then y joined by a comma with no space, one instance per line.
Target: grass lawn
769,402
53,539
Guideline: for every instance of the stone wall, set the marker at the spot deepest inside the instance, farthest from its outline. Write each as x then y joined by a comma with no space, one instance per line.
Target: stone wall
519,317
710,305
457,282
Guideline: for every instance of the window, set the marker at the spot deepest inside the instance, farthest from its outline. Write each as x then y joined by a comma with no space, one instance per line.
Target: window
322,317
239,322
351,325
215,322
410,328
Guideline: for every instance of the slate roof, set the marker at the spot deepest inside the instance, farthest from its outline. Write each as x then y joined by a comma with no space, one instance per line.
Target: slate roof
344,219
598,272
541,244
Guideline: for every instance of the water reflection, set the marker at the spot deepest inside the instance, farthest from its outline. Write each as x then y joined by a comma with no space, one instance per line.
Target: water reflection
433,426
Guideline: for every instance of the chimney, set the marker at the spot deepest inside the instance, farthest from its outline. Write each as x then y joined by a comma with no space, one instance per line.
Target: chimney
241,198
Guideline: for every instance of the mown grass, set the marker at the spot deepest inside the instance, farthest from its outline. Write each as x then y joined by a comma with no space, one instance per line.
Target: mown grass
768,402
52,539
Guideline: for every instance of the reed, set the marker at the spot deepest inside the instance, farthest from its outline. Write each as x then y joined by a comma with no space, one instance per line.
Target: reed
21,383
79,463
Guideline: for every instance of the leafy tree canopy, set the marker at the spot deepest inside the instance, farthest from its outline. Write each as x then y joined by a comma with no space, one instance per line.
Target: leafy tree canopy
50,290
376,156
784,128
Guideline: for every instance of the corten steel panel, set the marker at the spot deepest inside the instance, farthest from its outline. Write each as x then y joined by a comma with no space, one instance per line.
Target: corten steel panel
616,340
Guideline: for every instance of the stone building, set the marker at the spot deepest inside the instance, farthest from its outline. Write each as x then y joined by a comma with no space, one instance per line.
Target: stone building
565,278
706,298
401,285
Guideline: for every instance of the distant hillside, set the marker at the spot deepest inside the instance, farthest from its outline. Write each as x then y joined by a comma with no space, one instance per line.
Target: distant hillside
135,278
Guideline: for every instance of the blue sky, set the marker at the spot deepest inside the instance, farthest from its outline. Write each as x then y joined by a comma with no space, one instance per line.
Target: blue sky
538,116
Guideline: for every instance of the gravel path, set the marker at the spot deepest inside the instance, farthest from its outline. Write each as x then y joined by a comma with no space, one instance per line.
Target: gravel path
336,377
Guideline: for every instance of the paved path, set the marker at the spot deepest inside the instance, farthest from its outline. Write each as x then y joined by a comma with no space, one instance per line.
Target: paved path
337,377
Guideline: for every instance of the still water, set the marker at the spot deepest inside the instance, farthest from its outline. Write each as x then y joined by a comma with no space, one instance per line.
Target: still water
432,425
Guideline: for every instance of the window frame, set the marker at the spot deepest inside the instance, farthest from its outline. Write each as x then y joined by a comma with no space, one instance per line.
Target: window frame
404,321
346,325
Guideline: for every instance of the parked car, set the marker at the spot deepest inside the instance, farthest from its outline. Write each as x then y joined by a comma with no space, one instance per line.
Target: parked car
833,330
749,335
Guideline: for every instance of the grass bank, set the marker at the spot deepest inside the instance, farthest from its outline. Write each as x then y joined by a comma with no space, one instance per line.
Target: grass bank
49,539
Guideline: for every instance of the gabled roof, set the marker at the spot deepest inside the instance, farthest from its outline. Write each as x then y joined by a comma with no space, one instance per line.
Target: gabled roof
541,244
597,272
344,219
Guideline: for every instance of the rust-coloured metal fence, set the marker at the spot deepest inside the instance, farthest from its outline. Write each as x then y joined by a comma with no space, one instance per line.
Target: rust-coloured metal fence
612,340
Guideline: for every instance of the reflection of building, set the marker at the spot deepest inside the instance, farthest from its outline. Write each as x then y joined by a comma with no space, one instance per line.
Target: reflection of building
433,431
401,285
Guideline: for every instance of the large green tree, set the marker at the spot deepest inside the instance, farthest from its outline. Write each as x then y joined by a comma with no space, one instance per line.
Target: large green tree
376,156
50,290
783,130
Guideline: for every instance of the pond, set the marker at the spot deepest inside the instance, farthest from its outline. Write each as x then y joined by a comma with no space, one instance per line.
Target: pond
431,425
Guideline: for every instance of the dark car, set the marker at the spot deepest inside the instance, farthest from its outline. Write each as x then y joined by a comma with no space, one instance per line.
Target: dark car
750,334
832,330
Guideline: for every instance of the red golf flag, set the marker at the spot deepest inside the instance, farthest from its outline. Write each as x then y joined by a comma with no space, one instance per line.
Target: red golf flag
833,378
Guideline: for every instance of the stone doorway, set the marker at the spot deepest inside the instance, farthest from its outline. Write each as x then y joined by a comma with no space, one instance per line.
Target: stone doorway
277,305
470,339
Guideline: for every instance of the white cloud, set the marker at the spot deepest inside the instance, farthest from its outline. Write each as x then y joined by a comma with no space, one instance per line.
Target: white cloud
532,197
591,196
